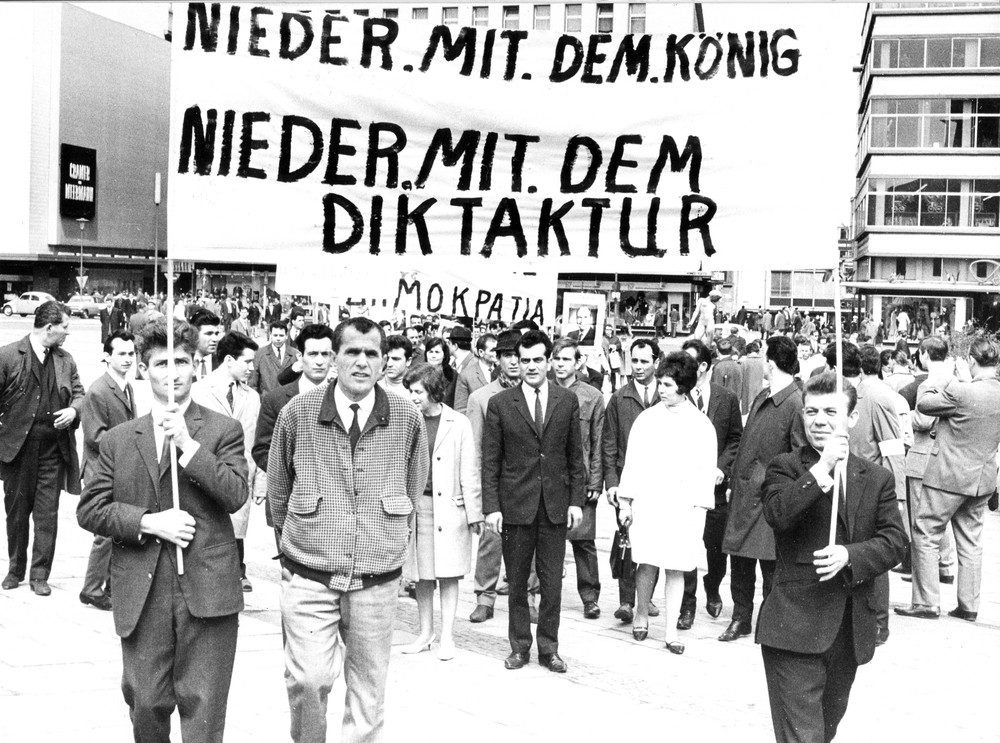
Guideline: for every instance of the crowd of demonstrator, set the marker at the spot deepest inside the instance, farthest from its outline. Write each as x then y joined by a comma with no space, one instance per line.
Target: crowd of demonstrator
380,456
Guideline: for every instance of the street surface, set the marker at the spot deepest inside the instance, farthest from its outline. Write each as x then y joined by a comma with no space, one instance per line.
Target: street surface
60,662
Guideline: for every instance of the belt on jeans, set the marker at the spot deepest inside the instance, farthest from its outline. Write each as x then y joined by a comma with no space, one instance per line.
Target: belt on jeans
324,577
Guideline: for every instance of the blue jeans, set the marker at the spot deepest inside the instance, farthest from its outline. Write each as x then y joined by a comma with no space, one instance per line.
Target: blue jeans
324,629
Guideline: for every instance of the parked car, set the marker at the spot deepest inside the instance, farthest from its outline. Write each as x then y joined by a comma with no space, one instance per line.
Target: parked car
83,305
26,304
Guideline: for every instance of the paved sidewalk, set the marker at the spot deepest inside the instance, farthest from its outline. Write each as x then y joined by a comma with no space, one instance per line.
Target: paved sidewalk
60,663
60,670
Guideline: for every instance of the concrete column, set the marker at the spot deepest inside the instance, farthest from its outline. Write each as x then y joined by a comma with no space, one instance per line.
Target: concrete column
961,313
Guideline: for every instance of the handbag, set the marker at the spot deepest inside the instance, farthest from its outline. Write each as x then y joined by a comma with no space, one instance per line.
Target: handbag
621,555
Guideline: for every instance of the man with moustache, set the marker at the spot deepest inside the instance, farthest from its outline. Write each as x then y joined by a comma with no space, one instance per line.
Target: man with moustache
818,623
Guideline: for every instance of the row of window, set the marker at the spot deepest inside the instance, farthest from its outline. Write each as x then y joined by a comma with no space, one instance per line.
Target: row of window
541,20
932,202
936,52
935,122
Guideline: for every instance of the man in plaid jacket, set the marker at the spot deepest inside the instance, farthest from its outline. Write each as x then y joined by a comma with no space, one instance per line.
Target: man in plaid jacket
346,465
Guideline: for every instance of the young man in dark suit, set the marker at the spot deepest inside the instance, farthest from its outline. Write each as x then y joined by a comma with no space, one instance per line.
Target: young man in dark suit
272,359
40,401
818,623
178,630
722,408
110,401
533,490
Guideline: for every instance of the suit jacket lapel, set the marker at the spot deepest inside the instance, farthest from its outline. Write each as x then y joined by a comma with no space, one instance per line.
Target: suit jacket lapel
855,469
522,407
444,430
119,394
555,395
145,443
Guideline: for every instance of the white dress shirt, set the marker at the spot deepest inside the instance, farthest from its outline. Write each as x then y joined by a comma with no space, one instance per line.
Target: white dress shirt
343,403
157,411
650,390
529,397
37,347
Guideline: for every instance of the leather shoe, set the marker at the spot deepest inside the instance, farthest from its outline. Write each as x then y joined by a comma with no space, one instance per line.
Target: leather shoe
100,601
246,585
515,661
959,613
686,619
41,587
654,610
918,612
713,605
532,615
639,633
481,613
881,636
11,581
624,613
553,662
735,630
677,648
591,610
947,579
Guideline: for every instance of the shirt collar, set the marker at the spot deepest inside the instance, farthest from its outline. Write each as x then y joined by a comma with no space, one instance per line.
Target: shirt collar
158,409
343,403
305,384
119,381
36,346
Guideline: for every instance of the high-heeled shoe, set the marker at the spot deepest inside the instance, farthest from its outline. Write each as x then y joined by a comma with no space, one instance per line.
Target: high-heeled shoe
446,651
416,647
677,648
639,633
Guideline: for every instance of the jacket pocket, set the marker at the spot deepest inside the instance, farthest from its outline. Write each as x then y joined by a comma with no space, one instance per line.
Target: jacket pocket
397,505
303,504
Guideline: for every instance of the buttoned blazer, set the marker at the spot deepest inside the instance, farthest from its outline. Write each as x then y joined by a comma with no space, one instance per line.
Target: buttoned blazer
17,411
773,427
266,368
962,459
104,407
129,482
470,379
724,413
623,408
802,614
520,470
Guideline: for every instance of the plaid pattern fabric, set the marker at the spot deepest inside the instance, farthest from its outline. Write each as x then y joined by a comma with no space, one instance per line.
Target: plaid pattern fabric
343,515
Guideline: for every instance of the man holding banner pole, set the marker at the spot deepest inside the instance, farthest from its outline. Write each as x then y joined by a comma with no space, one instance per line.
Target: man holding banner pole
818,623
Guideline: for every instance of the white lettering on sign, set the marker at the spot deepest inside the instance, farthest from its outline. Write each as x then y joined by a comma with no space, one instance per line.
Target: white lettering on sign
79,171
78,193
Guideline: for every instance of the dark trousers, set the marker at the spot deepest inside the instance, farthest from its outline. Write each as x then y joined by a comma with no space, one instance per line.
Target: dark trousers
546,543
98,578
743,582
173,659
809,693
31,492
241,551
881,591
588,582
715,530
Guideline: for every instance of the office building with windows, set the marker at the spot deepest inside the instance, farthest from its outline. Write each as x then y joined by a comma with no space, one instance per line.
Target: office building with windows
927,206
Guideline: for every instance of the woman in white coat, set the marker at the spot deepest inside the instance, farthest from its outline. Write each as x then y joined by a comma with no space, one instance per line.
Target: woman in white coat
667,485
449,510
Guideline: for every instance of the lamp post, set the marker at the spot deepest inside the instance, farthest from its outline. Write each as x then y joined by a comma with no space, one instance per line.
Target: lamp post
156,236
81,279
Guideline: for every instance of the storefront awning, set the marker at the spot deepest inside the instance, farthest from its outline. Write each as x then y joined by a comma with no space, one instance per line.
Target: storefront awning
930,288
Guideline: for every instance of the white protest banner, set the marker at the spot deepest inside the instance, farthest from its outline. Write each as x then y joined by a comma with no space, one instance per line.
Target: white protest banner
296,132
458,291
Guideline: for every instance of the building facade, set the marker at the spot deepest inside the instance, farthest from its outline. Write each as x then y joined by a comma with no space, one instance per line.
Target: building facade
927,206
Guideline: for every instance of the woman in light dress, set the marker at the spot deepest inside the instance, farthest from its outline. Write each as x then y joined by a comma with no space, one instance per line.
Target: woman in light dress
449,511
668,483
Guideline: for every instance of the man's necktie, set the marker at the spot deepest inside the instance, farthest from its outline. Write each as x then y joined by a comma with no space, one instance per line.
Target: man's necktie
355,431
698,400
204,370
539,418
645,396
230,398
281,357
131,399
